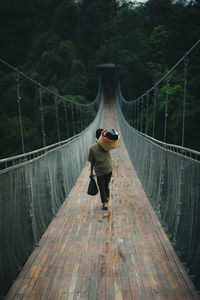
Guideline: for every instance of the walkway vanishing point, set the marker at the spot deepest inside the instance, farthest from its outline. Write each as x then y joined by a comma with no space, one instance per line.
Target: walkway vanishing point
87,253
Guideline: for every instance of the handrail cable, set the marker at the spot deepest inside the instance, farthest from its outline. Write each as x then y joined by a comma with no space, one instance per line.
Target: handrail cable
42,86
43,149
157,83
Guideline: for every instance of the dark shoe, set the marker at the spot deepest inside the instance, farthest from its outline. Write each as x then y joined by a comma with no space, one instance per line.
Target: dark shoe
105,206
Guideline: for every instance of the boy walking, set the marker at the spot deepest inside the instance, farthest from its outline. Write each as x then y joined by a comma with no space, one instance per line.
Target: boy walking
101,161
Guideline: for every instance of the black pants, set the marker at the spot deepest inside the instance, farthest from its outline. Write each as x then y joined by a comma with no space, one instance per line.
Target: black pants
103,183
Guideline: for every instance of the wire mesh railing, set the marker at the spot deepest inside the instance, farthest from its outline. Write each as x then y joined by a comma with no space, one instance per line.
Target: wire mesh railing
32,191
170,177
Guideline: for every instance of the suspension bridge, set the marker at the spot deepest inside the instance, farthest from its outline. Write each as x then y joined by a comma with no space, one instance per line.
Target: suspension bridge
57,238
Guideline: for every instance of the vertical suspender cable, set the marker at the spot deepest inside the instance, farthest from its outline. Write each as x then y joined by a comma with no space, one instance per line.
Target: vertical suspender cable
20,114
83,117
141,117
154,110
186,61
166,109
73,125
77,119
42,117
135,114
147,112
132,114
66,119
57,120
138,108
80,114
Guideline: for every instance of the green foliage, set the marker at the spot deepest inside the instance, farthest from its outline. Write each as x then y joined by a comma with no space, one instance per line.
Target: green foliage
159,43
77,99
66,20
59,43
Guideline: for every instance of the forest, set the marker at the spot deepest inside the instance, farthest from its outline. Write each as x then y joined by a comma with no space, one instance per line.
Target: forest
59,44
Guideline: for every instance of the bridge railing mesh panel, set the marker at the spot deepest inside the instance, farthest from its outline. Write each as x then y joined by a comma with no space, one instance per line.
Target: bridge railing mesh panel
31,194
171,182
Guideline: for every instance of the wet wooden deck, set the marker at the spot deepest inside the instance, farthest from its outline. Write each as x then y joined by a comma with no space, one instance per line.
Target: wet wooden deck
87,253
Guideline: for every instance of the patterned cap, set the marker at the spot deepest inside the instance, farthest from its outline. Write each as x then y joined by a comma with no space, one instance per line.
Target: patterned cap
110,135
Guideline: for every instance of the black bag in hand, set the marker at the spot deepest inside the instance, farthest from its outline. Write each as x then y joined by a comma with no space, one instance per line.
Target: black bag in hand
92,188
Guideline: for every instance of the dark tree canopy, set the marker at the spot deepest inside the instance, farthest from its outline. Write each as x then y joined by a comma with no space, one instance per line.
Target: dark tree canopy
59,43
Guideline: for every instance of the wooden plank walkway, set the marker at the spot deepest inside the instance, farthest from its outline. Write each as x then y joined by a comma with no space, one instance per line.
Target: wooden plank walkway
87,253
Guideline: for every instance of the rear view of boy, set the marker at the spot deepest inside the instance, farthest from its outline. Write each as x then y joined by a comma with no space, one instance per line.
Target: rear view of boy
101,161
